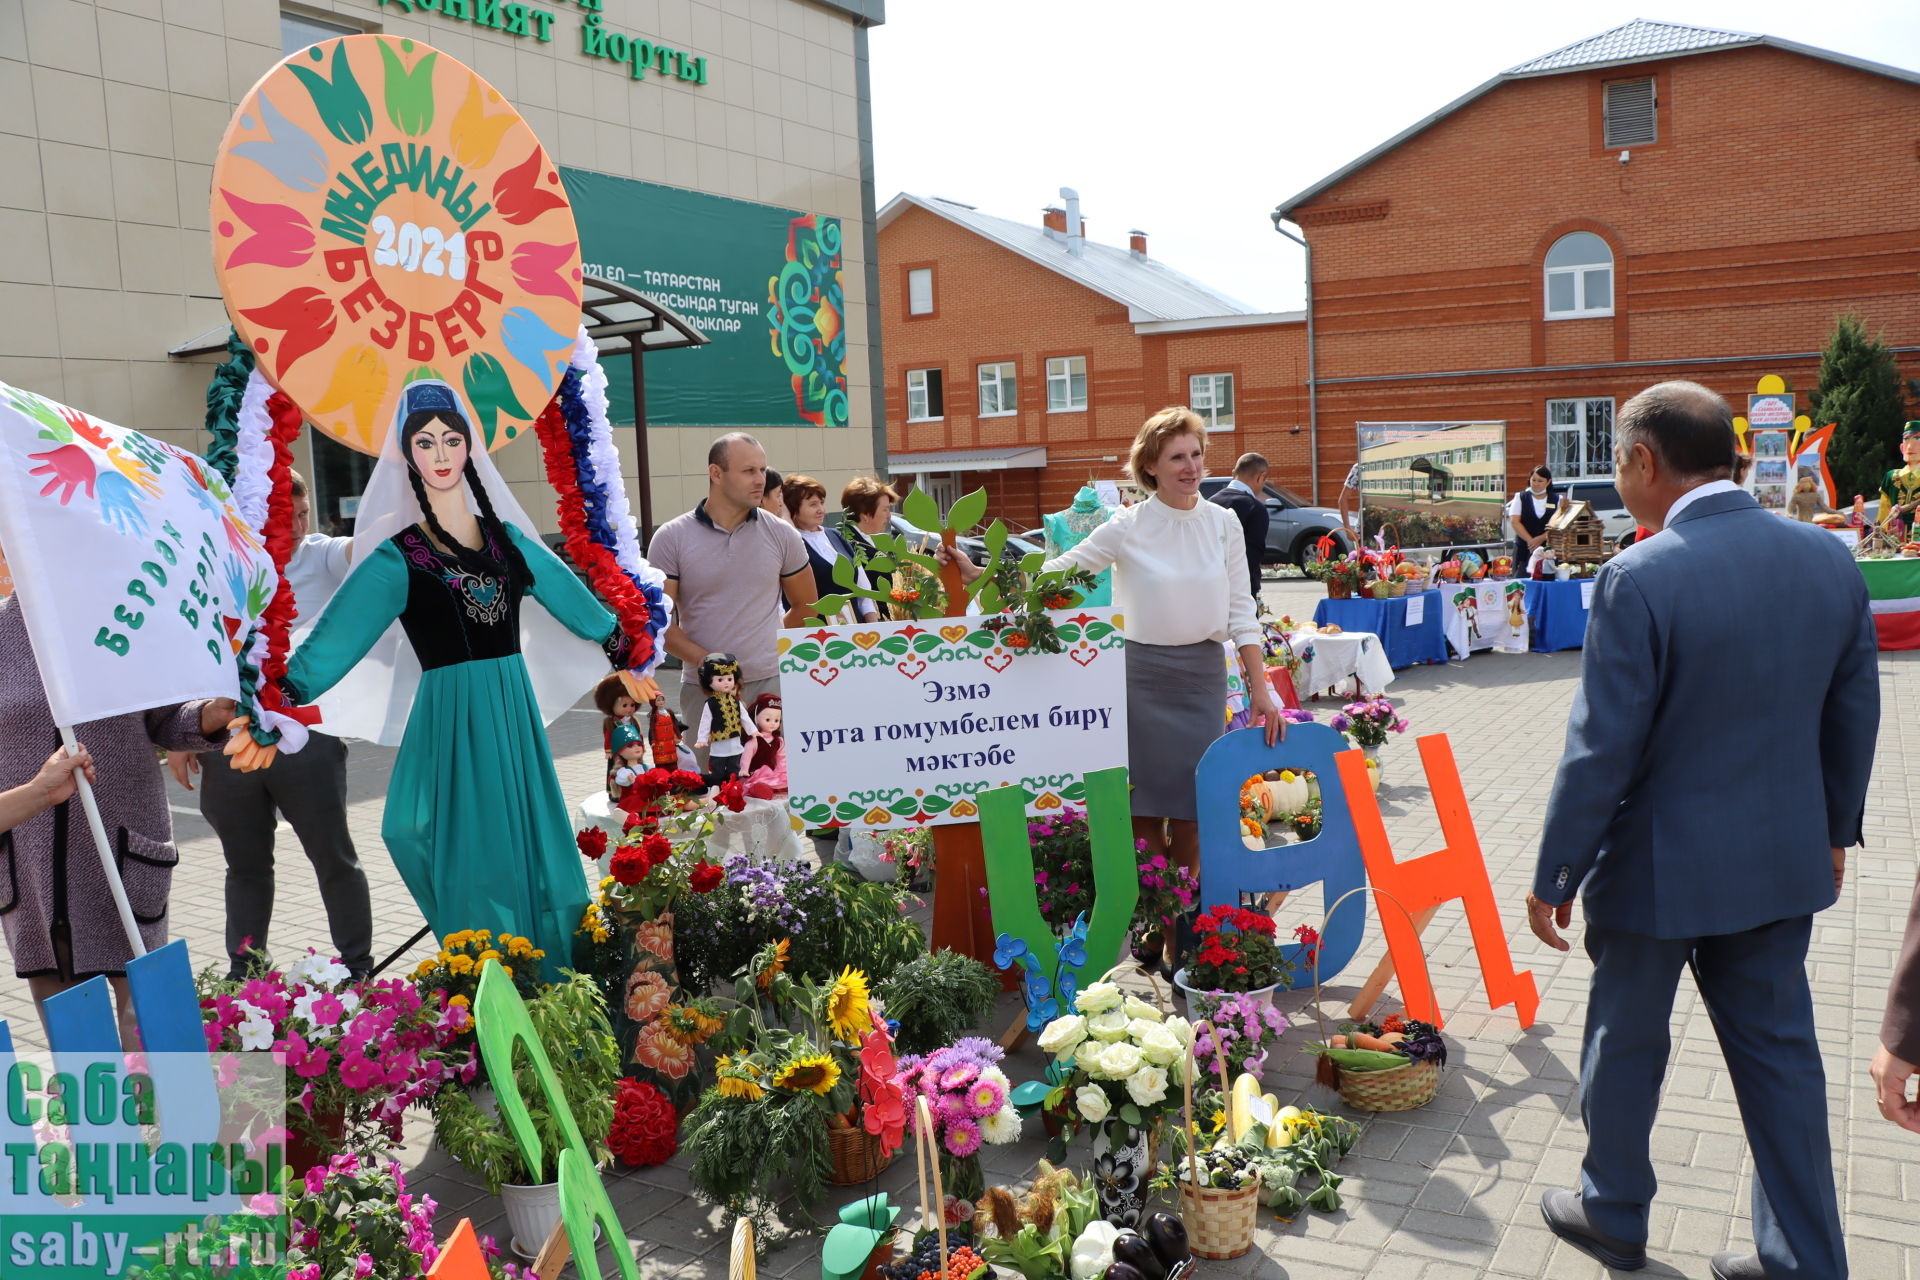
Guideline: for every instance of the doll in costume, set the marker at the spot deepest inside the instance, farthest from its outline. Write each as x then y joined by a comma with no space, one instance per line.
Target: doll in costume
764,762
459,635
664,733
721,730
628,763
617,708
1900,487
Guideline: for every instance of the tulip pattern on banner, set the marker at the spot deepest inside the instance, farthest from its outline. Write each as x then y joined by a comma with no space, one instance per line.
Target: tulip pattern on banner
806,309
141,579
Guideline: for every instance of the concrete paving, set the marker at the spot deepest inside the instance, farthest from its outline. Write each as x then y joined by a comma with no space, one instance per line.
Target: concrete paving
1446,1192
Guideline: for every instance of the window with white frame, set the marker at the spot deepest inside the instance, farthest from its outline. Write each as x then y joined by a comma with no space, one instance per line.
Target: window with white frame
920,291
925,401
1579,438
1211,396
999,396
1579,273
1067,384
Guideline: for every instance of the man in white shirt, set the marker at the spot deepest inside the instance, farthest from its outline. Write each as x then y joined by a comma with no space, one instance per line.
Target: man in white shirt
308,786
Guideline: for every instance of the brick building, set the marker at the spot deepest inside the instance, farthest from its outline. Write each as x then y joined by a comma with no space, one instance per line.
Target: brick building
1024,359
1655,202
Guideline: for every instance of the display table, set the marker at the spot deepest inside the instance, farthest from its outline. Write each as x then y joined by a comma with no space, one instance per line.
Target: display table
1424,642
764,829
1893,586
1490,614
1558,611
1327,661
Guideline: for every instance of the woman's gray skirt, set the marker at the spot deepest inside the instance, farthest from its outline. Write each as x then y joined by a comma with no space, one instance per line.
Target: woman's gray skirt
1176,707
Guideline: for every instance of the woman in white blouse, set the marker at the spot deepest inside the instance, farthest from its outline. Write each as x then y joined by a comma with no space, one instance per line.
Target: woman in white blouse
1179,579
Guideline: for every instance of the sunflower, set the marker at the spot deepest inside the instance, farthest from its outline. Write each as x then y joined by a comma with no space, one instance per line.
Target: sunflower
847,1005
776,965
815,1071
737,1081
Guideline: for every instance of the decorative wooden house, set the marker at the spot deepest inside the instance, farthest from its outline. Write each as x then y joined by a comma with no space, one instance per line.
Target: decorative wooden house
1576,535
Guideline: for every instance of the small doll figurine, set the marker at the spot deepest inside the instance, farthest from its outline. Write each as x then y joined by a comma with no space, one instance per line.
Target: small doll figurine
628,763
616,707
765,760
665,734
721,730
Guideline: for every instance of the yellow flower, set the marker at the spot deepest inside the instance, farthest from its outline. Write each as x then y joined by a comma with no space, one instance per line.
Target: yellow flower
847,1005
538,954
426,967
461,965
780,950
815,1071
606,882
456,940
737,1081
519,947
462,1001
508,968
489,954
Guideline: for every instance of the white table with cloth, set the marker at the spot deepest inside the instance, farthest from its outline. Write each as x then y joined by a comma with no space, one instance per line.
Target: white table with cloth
1329,660
1490,614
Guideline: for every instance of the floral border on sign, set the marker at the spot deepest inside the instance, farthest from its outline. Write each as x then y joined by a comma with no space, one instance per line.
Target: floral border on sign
823,654
887,806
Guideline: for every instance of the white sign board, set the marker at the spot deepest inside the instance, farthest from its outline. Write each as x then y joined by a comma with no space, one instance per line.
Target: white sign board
901,724
139,578
1416,609
1586,594
1849,536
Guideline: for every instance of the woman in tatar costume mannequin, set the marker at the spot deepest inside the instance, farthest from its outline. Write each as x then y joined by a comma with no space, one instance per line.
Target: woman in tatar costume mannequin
475,819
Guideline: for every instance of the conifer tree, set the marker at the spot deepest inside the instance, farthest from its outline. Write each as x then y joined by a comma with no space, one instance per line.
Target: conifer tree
1860,394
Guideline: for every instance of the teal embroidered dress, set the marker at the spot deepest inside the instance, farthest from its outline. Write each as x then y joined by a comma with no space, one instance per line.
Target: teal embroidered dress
475,820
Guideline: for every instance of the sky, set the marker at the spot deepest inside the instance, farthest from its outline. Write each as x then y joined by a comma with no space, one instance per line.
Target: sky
1191,120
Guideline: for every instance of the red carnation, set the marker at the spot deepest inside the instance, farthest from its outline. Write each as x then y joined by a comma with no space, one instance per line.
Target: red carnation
592,842
705,877
656,848
686,780
630,866
646,1129
733,794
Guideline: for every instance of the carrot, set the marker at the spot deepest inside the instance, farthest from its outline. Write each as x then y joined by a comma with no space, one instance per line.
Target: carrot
1337,1042
1361,1040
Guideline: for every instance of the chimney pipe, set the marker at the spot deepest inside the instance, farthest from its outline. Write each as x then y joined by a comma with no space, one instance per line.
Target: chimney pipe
1137,243
1076,229
1054,219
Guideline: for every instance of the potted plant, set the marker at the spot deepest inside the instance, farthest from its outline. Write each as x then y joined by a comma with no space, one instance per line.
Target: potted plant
1366,724
937,998
570,1018
357,1055
353,1216
451,978
1236,952
1126,1061
1343,574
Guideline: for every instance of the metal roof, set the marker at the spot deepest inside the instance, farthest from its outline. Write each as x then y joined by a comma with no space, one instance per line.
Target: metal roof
1631,41
1638,41
968,459
1149,289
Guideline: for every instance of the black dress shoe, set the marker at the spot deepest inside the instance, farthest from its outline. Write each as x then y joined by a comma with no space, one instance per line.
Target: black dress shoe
1567,1218
1729,1265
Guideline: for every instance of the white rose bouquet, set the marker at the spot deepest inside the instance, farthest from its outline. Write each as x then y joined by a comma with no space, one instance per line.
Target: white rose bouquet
1117,1058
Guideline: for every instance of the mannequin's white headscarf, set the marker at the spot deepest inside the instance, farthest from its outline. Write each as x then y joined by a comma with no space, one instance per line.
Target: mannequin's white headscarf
374,700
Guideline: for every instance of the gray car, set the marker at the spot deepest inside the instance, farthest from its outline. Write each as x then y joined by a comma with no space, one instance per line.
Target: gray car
1294,525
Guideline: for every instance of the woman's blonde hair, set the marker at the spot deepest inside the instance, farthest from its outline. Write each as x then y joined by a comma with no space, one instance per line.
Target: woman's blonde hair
1169,423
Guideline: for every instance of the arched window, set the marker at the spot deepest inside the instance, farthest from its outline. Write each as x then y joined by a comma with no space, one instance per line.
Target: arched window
1579,274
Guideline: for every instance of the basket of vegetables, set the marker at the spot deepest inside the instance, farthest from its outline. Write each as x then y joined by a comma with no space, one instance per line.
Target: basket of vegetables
1220,1189
1389,1066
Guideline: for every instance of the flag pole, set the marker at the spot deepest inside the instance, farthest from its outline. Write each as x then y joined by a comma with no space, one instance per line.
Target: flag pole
100,845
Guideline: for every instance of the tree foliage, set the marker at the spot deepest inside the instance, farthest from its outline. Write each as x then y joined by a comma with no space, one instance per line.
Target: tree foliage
1860,394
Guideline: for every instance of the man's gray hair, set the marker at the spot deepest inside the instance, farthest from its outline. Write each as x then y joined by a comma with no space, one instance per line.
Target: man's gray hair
1686,426
717,451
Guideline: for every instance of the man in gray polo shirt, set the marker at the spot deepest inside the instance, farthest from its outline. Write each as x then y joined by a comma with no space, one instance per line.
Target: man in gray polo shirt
727,563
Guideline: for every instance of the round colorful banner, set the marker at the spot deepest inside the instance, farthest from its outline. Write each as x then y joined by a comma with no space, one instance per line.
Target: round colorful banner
380,214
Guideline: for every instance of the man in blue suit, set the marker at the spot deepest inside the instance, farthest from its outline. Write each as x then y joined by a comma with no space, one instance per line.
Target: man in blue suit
1715,775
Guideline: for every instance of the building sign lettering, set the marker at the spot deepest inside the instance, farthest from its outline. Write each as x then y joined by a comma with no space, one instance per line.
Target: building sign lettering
637,53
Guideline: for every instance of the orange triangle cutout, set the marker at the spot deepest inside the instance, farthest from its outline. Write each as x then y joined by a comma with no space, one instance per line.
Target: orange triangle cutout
461,1258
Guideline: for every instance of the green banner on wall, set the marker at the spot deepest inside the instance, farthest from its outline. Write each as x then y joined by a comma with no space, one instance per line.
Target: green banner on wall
763,284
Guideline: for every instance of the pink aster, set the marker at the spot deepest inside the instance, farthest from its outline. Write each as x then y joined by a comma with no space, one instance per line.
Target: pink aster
963,1138
986,1097
957,1078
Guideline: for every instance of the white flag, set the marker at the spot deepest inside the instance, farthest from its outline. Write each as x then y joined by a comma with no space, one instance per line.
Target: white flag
139,579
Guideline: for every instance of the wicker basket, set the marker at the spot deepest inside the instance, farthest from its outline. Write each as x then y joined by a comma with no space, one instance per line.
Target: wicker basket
1219,1223
857,1157
1395,1089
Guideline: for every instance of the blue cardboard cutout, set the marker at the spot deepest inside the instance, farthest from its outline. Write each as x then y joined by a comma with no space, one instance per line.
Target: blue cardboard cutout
1332,859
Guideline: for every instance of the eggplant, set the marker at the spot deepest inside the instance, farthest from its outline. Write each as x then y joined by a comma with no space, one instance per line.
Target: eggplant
1134,1250
1124,1271
1168,1236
